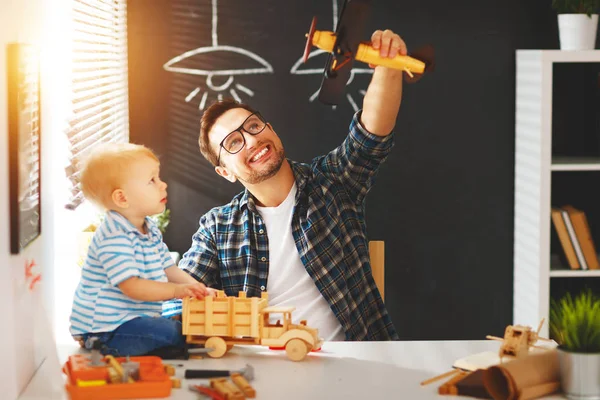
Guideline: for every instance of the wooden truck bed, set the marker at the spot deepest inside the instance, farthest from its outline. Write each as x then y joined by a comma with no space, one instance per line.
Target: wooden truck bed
223,316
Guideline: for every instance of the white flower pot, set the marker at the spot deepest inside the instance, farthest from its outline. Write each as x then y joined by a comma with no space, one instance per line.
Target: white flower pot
579,375
577,31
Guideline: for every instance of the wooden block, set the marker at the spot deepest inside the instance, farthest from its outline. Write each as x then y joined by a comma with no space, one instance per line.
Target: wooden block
176,383
170,370
227,389
113,375
450,386
244,385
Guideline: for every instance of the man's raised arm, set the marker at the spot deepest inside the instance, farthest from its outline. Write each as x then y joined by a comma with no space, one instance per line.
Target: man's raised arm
384,94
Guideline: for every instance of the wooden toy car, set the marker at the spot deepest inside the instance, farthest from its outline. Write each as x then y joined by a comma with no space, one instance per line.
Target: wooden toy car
221,322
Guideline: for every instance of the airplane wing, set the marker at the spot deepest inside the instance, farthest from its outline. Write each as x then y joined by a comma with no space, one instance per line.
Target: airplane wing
349,34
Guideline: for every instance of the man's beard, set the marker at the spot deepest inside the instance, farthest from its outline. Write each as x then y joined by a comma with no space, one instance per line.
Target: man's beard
256,177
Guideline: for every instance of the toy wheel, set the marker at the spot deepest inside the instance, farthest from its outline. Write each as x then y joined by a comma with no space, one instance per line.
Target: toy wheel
219,346
296,349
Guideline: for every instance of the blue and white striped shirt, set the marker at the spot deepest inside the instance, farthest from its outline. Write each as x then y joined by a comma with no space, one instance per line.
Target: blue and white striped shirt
118,251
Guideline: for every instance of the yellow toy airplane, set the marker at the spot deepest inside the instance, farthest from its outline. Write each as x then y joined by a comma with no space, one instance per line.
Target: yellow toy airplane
344,45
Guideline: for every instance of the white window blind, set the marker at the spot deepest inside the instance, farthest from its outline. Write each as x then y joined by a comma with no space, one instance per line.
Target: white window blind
99,96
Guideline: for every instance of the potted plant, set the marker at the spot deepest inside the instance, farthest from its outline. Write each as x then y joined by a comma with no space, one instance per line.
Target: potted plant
575,326
162,221
577,23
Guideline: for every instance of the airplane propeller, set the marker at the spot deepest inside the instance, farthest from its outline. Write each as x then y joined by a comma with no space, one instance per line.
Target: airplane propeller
309,39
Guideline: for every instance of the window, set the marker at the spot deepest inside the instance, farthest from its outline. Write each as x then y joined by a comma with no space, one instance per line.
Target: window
99,98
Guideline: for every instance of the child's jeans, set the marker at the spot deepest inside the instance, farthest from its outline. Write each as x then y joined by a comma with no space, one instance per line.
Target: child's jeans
140,336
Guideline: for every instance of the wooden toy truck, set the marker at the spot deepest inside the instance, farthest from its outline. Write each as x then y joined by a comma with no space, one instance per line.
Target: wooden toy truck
221,322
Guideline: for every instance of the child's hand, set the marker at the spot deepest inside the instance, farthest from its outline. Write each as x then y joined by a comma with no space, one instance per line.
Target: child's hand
211,292
197,289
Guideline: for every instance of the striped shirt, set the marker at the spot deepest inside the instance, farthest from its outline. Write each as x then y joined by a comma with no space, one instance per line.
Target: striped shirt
117,252
230,249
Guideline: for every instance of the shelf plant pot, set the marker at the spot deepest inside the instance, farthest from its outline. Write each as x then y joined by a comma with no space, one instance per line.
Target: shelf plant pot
579,374
577,31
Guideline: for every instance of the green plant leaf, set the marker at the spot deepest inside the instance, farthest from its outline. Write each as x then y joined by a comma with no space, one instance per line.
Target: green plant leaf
162,220
575,322
588,7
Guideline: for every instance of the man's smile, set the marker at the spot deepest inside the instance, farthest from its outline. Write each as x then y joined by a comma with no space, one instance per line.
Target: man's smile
260,155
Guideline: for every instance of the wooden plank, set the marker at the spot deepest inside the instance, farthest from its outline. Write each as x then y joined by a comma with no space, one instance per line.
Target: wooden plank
196,318
262,303
232,315
220,330
195,305
208,304
220,305
243,320
254,331
244,306
377,255
219,319
242,331
184,317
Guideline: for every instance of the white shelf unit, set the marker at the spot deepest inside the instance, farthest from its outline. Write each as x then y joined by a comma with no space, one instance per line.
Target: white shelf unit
533,176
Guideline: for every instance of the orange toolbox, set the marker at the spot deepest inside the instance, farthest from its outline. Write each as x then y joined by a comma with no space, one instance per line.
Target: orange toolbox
89,382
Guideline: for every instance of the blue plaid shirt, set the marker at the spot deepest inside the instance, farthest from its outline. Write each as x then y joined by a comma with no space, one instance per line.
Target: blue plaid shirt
230,248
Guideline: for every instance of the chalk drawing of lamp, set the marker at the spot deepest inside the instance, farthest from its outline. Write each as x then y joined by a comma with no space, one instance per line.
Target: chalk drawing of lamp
297,68
234,61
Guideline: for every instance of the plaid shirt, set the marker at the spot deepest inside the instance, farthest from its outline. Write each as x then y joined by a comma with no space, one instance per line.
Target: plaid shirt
230,248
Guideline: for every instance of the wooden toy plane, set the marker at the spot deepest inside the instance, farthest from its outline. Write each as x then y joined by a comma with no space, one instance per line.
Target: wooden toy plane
518,339
344,45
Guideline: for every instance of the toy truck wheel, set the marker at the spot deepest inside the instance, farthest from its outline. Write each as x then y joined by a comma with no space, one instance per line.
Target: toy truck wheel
219,346
296,349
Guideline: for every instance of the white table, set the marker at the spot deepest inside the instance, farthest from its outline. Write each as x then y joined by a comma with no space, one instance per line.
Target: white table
341,370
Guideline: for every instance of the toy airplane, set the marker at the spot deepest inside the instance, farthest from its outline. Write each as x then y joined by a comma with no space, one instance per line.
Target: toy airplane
344,45
518,339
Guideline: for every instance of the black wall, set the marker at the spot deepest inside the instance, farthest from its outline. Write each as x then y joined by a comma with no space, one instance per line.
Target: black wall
443,202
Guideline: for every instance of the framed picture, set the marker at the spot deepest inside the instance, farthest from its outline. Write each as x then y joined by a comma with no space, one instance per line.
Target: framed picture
24,144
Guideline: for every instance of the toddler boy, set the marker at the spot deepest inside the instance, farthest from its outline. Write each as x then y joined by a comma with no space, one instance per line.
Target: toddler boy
128,271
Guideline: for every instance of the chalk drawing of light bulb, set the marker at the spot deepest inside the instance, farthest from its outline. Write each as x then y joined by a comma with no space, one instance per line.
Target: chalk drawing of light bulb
251,64
299,69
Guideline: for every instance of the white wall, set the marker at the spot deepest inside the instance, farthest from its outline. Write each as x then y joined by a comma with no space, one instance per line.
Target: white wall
25,328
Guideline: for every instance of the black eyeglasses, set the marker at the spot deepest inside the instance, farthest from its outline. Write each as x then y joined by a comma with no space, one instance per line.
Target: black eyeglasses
235,141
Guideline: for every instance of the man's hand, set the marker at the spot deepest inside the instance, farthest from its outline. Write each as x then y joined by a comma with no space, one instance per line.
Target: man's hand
388,43
196,289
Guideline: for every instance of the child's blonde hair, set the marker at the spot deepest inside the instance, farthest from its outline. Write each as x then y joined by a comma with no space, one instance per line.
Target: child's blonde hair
103,170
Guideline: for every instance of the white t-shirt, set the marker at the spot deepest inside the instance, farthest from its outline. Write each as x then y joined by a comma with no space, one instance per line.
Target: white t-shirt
289,284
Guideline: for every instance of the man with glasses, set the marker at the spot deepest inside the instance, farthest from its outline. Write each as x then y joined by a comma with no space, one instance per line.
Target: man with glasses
298,230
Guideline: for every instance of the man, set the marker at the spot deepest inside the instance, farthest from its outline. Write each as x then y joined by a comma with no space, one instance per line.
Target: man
298,231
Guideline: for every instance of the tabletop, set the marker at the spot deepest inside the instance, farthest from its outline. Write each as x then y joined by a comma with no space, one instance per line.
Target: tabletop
340,370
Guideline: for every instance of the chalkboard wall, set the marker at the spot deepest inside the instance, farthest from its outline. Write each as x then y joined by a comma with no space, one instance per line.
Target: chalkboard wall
443,202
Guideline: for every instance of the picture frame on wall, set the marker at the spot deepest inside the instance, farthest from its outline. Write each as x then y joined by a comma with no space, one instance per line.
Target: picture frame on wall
24,141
